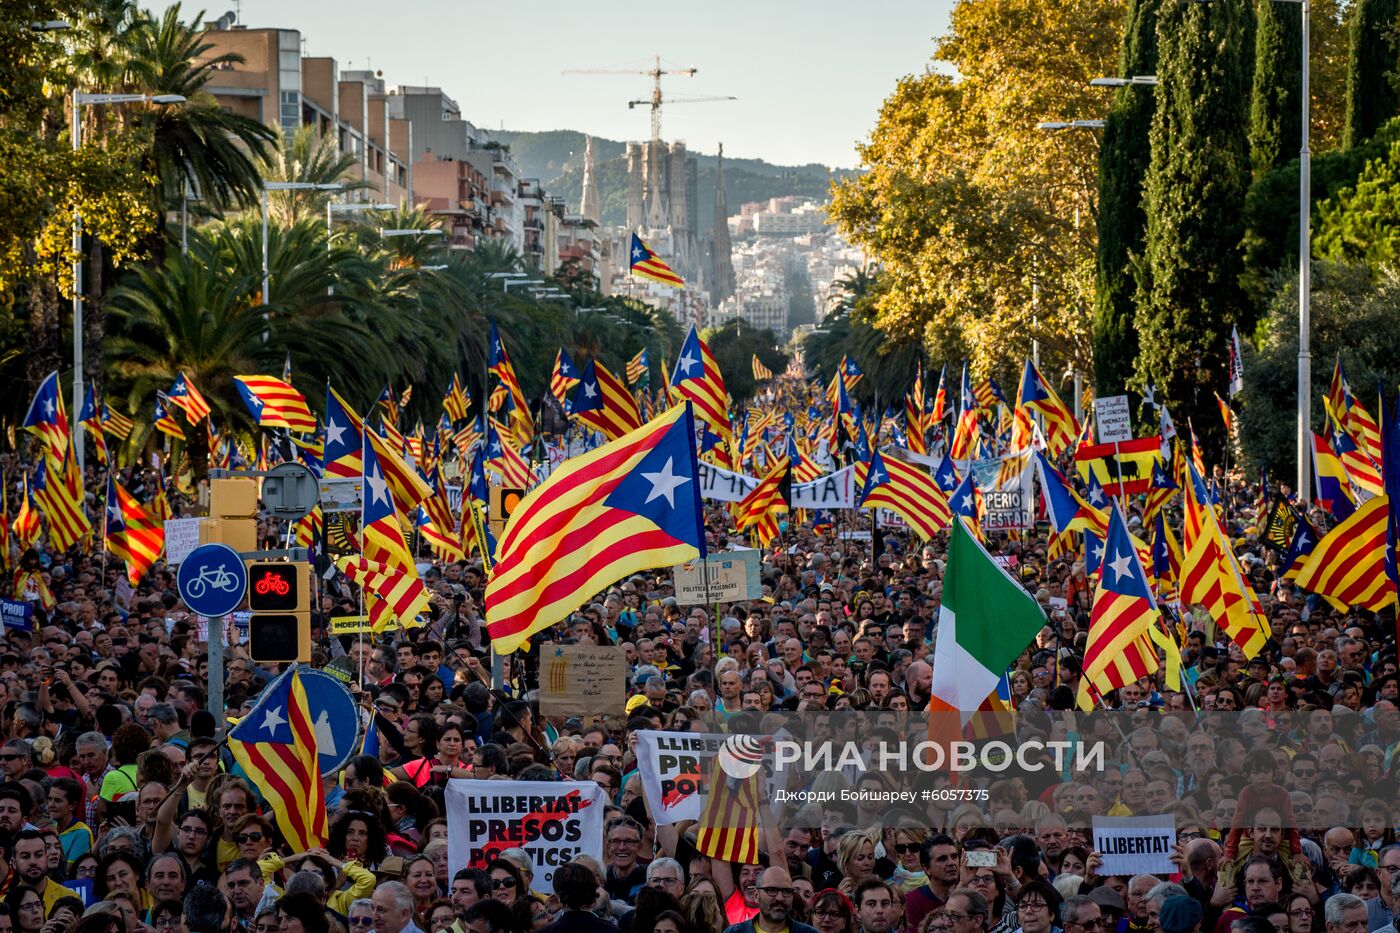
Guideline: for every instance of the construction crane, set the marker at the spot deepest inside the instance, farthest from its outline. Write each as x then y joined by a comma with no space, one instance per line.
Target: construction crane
657,100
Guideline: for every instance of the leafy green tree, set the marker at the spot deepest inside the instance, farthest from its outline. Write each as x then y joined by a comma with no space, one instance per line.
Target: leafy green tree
1354,314
984,225
198,141
1189,293
1275,130
734,348
1361,224
1371,68
1123,161
1271,208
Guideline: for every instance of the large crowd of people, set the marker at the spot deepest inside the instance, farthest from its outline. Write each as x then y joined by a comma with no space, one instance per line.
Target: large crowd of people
121,811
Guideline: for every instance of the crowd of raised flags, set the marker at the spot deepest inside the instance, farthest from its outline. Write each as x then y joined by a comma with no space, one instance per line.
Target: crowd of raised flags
794,431
617,499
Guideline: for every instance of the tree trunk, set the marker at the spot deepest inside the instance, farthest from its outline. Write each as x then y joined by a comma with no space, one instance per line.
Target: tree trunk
45,343
94,313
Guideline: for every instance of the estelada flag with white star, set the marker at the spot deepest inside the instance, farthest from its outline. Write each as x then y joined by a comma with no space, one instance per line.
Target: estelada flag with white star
276,745
630,505
648,265
1120,648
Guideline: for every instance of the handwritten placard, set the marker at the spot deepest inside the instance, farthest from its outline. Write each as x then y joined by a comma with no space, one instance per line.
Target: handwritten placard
582,680
1134,845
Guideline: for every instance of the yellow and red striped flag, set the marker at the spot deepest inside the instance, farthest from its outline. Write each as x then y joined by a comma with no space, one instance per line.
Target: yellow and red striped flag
604,404
165,420
1120,650
505,460
637,367
276,746
765,500
132,534
761,373
67,522
697,378
908,491
630,505
275,404
563,377
1347,567
456,400
27,525
344,438
1226,415
405,483
381,540
728,826
391,593
646,264
115,423
185,396
498,362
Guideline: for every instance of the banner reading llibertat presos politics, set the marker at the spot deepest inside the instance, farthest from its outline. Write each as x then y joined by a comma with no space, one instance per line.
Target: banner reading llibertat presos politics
554,822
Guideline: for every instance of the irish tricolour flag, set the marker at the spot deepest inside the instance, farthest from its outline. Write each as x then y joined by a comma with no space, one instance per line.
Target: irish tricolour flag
985,621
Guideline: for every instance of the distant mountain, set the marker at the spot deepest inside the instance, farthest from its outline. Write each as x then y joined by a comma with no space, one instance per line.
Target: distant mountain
556,159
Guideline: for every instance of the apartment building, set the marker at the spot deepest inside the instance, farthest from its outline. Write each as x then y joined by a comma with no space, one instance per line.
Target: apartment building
278,86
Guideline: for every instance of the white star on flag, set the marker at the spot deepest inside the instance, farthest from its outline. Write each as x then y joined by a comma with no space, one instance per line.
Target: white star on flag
1120,566
590,389
379,490
334,432
664,483
686,362
273,718
636,254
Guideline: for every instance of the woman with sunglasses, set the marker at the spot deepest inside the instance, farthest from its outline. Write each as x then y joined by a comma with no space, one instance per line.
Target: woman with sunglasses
832,912
508,887
908,841
253,836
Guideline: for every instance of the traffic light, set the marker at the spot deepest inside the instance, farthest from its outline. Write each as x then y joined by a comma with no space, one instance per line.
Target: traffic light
504,501
279,597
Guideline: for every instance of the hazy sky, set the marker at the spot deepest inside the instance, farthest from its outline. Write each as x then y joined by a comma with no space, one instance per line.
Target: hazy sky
809,74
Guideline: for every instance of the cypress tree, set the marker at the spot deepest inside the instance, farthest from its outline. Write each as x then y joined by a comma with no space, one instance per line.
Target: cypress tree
1189,291
1275,124
1371,98
1123,160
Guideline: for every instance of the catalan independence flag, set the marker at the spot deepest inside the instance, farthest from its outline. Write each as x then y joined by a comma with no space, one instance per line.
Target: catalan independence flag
697,378
604,404
761,373
648,265
132,533
344,438
275,404
909,492
276,746
183,394
638,367
1348,566
630,505
46,417
1120,649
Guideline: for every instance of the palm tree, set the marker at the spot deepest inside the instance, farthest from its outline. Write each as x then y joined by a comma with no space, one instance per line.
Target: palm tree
306,156
199,141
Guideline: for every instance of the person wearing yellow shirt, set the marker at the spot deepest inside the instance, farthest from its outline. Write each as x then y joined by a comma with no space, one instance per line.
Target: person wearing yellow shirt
361,880
30,862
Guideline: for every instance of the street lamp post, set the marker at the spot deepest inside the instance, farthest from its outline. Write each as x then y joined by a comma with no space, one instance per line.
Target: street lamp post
79,98
283,186
506,278
333,208
1305,279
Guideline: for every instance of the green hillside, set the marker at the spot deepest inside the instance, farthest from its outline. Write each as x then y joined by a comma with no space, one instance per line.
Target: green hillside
556,159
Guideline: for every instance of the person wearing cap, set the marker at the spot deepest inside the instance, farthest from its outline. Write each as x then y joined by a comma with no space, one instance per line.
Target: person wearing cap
1181,914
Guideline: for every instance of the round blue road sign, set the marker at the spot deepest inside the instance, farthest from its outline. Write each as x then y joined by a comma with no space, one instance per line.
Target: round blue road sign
212,580
334,718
